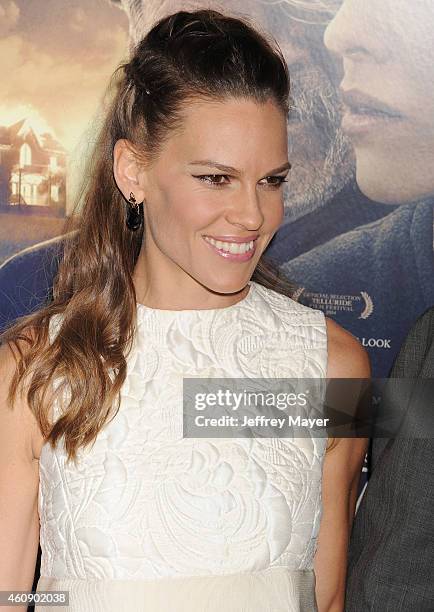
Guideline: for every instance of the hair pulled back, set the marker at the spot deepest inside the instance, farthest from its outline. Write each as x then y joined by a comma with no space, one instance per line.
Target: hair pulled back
185,57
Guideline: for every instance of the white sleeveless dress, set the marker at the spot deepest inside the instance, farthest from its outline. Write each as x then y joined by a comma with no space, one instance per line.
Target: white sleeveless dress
151,521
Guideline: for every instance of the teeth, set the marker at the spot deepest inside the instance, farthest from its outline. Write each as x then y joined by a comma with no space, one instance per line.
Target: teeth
231,247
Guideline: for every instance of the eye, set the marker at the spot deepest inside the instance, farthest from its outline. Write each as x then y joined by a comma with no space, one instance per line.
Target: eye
208,178
205,179
279,180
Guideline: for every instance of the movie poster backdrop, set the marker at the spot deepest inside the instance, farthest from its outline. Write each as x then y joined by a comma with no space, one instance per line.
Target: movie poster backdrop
357,236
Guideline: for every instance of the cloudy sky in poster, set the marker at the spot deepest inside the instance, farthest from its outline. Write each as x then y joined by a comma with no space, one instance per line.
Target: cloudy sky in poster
56,57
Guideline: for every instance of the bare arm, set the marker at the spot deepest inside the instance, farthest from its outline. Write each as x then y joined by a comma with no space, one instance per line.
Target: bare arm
19,479
341,475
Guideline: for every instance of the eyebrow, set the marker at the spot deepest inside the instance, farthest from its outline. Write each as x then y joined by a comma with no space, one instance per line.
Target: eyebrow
224,168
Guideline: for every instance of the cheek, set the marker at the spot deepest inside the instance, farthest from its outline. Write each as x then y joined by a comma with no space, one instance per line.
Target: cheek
416,98
421,91
196,211
189,212
412,47
273,211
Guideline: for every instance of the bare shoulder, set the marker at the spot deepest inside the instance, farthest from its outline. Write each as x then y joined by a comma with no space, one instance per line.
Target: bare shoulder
19,481
346,356
18,425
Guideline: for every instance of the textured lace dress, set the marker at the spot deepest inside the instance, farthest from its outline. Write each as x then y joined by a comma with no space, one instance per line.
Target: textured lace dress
148,520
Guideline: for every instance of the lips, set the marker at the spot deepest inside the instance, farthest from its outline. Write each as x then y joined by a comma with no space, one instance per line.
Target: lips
366,116
236,239
359,103
233,251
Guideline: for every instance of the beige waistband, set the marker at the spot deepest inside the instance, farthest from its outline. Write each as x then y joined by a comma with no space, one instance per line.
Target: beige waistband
273,590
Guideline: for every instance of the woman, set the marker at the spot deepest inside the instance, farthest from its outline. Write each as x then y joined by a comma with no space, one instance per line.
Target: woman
132,515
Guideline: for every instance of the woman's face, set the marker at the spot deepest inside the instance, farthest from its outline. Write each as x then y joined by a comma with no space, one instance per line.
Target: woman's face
189,200
387,48
320,157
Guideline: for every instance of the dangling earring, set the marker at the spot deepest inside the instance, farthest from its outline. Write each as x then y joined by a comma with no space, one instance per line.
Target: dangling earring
134,214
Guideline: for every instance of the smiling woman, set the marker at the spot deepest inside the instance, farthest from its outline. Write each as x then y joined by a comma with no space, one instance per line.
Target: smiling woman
183,210
165,279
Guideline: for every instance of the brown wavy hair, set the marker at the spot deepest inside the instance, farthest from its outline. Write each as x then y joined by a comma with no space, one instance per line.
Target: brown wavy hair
184,57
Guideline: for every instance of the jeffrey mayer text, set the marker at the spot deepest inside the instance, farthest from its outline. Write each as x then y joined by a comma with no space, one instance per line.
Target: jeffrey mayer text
259,420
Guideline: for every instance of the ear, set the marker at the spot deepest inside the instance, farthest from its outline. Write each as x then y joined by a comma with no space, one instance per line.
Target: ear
127,171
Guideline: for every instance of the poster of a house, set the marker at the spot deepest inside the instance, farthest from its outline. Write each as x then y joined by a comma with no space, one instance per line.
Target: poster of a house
56,60
32,171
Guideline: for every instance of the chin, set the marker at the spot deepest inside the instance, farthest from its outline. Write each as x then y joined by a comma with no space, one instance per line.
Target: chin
228,286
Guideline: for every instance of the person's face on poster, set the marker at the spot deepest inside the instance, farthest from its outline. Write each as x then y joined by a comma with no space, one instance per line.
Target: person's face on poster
387,53
320,155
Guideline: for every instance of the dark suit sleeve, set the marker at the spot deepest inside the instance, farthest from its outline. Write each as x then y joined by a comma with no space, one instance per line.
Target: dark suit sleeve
391,549
412,359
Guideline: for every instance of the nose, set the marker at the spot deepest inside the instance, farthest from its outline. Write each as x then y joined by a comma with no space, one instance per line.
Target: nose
344,35
246,211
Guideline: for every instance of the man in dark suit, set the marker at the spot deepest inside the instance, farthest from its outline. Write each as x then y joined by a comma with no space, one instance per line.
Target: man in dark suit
391,553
